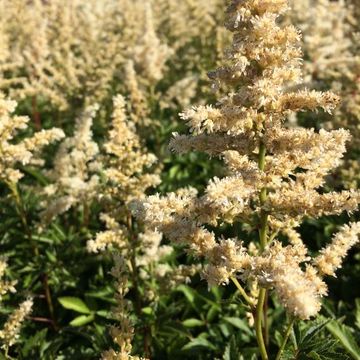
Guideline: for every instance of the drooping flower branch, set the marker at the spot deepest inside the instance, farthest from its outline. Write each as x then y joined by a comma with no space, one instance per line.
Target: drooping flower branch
275,174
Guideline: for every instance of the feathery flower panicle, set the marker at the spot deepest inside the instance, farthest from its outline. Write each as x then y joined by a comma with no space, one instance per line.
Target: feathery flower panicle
10,332
180,94
279,268
331,257
128,164
74,176
129,171
275,174
22,152
150,54
127,176
5,285
115,234
67,52
123,333
139,109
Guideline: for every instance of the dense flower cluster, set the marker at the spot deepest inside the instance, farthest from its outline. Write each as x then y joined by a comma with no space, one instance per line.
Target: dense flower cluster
74,178
11,329
275,174
71,51
23,152
126,169
124,332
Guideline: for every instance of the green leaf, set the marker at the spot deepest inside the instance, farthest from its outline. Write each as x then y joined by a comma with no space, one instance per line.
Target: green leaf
357,312
147,310
193,322
213,311
104,313
231,351
314,355
188,292
174,171
191,296
51,256
33,342
74,303
314,330
82,320
238,323
344,335
198,342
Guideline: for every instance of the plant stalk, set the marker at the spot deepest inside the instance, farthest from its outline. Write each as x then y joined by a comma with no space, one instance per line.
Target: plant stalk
243,292
286,337
258,324
135,280
261,312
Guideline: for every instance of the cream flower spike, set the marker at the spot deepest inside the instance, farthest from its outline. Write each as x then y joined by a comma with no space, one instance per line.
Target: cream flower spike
23,152
275,174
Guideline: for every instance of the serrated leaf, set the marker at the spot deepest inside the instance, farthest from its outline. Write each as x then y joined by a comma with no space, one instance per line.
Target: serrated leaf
193,322
51,256
82,320
314,330
231,351
345,337
190,295
278,338
314,355
74,303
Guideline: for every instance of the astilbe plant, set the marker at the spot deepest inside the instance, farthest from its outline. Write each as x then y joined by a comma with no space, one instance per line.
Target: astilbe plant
23,152
124,333
128,171
11,329
275,175
13,155
74,177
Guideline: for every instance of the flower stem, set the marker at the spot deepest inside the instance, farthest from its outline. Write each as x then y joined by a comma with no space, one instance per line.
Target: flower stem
260,313
242,292
286,337
262,197
258,324
136,286
262,154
